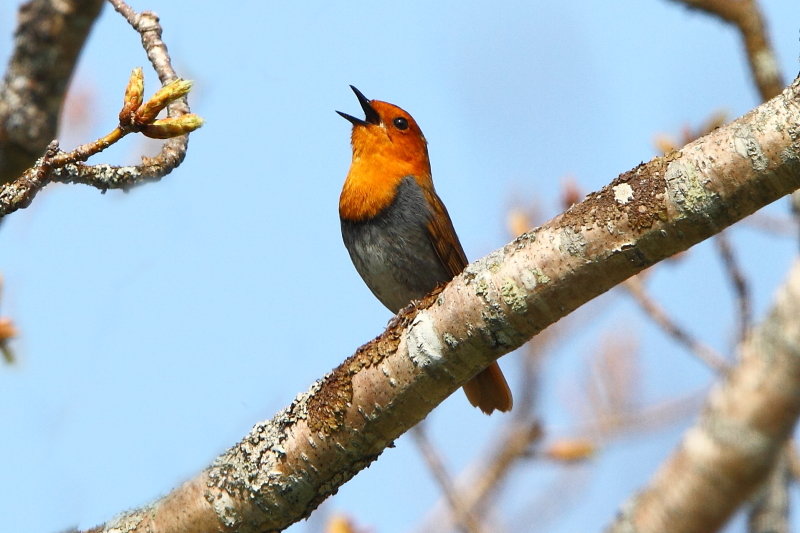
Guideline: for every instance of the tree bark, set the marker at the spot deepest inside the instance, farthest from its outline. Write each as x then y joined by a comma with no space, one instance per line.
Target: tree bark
731,449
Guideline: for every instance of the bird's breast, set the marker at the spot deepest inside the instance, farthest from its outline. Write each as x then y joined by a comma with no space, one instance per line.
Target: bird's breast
392,251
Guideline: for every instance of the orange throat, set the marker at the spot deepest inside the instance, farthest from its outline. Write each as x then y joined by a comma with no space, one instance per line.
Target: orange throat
372,183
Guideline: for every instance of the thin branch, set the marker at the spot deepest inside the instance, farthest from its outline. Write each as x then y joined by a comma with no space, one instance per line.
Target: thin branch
651,308
514,445
553,500
611,388
465,519
48,42
651,417
134,117
172,152
746,16
738,283
476,488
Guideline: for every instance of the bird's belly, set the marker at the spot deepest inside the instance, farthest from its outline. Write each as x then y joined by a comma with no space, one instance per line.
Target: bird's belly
394,256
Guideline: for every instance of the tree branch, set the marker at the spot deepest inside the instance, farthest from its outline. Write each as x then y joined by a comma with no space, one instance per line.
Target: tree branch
173,150
287,466
746,16
730,450
48,41
69,168
657,314
739,284
770,512
461,515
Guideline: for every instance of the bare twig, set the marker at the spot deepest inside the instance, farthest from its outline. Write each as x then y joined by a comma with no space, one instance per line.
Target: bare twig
476,488
646,418
465,519
651,308
612,384
533,354
553,500
746,16
48,41
479,484
738,283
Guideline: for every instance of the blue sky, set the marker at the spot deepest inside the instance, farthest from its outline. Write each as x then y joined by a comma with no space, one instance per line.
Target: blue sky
159,325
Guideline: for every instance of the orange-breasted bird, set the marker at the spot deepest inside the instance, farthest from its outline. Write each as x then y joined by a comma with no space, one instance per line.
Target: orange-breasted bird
397,230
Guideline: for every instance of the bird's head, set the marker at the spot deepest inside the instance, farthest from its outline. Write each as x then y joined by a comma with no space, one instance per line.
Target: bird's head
388,135
388,146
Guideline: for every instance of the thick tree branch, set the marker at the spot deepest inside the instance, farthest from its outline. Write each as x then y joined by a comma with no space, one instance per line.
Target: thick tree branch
770,512
48,41
287,466
730,450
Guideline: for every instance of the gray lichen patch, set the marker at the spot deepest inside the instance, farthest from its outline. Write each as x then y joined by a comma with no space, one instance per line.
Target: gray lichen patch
450,340
514,296
572,242
685,188
746,145
533,277
529,278
482,287
225,509
500,333
491,263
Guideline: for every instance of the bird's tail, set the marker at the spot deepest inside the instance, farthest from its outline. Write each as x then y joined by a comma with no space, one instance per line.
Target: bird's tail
489,390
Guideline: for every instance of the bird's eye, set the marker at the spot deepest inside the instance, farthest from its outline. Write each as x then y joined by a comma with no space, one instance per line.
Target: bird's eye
400,123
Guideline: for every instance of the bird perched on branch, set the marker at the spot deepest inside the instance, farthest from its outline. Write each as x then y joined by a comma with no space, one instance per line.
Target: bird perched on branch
397,230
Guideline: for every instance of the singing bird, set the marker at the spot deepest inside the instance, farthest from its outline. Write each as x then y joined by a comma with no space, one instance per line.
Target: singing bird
397,230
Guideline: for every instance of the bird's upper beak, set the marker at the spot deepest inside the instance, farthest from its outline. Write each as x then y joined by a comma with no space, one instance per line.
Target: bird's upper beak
370,115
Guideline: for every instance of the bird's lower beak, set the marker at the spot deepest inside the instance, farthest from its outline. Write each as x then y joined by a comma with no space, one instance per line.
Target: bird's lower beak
370,115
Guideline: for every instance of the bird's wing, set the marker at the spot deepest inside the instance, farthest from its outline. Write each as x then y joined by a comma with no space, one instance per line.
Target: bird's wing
443,236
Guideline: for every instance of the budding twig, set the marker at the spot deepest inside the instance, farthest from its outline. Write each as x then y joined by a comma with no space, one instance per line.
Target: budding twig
135,116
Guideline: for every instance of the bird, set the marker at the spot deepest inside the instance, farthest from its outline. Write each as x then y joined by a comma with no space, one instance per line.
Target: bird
396,228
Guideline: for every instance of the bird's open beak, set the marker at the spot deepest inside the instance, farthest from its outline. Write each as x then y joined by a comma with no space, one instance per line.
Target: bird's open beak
370,115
